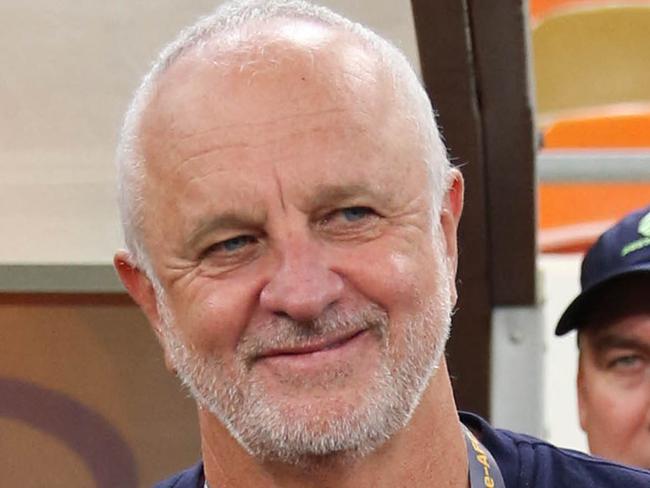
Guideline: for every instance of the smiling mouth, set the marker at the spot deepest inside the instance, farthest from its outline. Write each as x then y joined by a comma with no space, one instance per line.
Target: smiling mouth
311,348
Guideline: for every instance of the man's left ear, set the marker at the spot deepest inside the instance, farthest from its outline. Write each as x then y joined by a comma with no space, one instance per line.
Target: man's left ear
452,208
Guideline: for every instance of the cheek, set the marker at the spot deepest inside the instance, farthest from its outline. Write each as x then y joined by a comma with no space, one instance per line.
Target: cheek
620,411
213,315
399,282
414,279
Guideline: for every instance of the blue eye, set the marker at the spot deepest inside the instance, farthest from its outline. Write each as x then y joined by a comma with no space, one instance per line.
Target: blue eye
231,251
356,213
627,361
236,243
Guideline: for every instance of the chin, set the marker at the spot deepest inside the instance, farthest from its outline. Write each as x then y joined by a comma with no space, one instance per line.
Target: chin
312,425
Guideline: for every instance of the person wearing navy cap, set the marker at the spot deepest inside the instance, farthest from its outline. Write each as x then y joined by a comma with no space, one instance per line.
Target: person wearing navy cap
612,317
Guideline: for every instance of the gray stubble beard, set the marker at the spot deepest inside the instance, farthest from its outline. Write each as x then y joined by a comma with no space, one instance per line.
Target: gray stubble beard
272,431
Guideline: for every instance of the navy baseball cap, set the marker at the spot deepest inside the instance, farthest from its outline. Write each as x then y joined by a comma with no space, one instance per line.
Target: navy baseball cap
622,250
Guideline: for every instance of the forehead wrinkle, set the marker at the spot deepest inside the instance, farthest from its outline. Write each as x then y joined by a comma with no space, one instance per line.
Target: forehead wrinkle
261,124
205,140
201,143
349,62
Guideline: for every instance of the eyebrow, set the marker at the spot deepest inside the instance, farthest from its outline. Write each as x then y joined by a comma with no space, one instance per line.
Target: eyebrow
328,193
607,341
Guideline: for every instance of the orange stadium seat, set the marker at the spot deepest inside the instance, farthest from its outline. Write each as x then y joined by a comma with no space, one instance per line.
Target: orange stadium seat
572,215
543,8
615,130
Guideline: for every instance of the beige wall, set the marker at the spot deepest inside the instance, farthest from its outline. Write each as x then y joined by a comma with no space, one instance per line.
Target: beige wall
68,71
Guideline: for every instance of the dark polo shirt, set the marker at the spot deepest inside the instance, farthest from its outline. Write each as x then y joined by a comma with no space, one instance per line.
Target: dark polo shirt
524,461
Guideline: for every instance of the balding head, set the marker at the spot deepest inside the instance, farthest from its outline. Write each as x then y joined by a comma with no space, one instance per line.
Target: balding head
247,40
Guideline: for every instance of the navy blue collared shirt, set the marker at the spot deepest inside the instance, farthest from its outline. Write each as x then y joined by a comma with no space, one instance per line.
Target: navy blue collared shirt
524,461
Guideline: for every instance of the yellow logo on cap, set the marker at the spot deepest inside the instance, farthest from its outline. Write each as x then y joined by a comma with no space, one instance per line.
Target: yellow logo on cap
644,225
644,241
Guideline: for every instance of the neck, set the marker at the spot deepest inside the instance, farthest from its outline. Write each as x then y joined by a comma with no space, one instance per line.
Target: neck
430,448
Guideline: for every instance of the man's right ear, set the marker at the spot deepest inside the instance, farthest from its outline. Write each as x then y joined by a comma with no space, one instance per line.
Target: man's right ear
143,293
139,286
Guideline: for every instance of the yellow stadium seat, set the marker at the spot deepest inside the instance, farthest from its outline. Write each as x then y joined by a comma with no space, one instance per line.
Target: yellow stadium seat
591,57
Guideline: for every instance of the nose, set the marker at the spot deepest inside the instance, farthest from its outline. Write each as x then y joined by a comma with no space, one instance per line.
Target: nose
303,286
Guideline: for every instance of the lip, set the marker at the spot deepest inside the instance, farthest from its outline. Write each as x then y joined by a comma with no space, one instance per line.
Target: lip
325,345
316,357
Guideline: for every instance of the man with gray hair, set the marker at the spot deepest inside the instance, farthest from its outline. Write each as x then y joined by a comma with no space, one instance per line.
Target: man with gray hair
290,215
